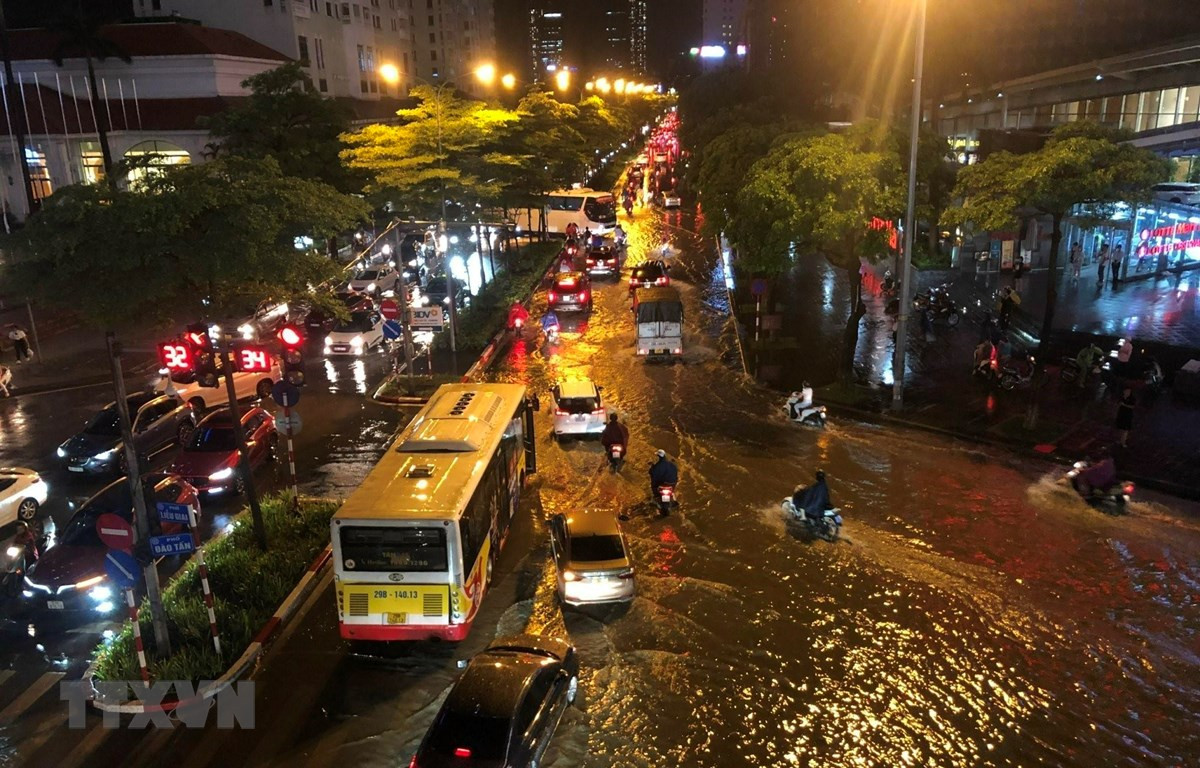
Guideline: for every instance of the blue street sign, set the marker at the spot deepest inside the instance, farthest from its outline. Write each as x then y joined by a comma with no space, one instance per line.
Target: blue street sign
285,393
174,513
122,568
171,544
392,330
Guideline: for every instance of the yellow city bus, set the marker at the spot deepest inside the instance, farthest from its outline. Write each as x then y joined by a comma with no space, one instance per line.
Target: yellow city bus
415,545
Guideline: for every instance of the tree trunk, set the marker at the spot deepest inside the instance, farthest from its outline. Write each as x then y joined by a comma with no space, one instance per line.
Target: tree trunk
857,310
101,127
1043,352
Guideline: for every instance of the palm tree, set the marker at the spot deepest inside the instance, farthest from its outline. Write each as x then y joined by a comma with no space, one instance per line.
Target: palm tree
80,35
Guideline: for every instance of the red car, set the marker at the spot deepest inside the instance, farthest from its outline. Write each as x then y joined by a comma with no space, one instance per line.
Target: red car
571,292
209,461
70,576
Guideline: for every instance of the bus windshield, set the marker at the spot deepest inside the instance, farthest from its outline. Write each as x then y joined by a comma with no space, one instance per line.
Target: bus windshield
602,209
393,549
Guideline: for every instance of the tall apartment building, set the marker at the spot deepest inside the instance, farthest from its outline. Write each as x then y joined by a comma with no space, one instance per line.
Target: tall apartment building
547,39
724,23
637,36
345,44
596,37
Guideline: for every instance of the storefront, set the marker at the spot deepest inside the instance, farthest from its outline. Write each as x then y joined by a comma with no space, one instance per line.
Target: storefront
1155,238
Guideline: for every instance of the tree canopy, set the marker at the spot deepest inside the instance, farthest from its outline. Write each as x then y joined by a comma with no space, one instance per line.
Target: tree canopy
224,231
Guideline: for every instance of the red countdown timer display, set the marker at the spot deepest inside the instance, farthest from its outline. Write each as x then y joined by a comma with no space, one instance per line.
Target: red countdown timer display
252,359
175,356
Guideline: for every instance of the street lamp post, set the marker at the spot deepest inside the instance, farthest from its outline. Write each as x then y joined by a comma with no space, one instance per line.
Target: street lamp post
905,267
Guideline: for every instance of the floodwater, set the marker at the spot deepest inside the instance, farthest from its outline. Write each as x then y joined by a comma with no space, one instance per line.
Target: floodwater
974,612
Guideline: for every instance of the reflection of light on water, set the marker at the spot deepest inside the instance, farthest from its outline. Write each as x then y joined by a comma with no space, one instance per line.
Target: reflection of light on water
359,372
331,373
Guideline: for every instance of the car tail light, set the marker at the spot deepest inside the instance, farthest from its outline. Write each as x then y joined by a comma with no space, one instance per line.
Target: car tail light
632,281
677,351
1128,489
561,412
566,283
643,351
598,412
570,576
583,295
462,752
413,763
551,296
591,262
662,281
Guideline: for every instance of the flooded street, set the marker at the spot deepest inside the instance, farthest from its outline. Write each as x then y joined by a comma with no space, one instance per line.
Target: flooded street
973,613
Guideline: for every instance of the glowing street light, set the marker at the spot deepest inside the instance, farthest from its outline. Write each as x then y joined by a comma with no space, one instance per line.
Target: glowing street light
603,85
390,73
590,85
562,79
509,81
619,86
486,73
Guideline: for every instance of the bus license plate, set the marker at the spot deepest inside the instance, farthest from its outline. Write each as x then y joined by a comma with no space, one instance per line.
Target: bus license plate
397,618
54,605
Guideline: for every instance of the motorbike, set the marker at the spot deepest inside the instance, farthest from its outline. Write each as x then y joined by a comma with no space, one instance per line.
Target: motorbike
665,500
552,334
1111,499
938,299
1015,371
616,457
825,527
813,416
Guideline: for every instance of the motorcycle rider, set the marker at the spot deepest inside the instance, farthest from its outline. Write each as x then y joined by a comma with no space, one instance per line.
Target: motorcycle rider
615,433
662,472
619,236
572,231
1087,357
517,313
800,402
1097,476
813,500
27,538
550,321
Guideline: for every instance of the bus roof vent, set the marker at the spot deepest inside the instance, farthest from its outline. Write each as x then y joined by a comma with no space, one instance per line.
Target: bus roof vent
420,470
464,401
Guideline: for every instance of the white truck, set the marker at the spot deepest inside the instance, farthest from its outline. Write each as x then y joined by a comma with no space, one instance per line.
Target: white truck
658,313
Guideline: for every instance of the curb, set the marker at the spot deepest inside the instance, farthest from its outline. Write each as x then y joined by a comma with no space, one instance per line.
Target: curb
301,592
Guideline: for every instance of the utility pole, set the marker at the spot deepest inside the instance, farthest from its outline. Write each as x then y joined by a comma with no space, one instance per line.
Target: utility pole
158,616
18,121
235,414
905,267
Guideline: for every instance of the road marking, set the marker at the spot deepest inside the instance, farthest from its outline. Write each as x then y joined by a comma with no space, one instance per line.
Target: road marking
83,750
31,694
5,675
52,727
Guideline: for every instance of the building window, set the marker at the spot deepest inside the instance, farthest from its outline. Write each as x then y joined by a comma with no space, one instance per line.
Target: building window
268,3
150,158
319,46
156,5
39,174
329,10
322,85
303,44
429,4
1168,108
362,63
314,6
355,11
1189,104
345,10
432,37
431,21
394,28
363,85
92,161
433,55
374,86
378,22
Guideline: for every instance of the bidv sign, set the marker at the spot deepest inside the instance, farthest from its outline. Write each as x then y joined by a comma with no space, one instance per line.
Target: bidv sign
233,704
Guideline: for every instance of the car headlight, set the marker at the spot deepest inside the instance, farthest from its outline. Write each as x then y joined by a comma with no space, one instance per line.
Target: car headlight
357,341
62,452
570,576
328,341
371,288
222,474
105,455
100,594
13,551
89,582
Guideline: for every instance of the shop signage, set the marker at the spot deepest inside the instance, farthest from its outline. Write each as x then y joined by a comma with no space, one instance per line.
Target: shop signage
1169,233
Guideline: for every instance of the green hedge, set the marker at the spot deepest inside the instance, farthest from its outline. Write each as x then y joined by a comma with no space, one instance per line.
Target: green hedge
248,585
489,309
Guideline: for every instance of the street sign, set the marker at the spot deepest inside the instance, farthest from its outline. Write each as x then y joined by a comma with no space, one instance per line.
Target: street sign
758,286
389,309
174,513
426,318
392,330
122,568
283,420
115,531
285,393
172,544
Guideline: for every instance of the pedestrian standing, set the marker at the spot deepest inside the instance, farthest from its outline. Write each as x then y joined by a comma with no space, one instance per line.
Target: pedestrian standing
16,334
1076,260
1101,263
5,379
1125,414
1118,256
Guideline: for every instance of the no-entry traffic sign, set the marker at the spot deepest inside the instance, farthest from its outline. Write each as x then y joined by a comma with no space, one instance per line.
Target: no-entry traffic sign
115,531
389,309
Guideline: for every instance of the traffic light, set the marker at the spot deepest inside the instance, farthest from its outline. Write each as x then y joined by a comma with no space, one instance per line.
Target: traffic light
251,358
293,354
175,356
204,358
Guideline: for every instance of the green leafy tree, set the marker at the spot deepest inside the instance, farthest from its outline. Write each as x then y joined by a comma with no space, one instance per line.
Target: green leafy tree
723,168
287,119
446,148
80,35
1082,164
223,231
817,195
548,143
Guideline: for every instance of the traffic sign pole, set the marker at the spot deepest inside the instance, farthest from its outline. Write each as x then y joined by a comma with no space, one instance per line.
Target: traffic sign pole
137,636
208,598
408,356
291,451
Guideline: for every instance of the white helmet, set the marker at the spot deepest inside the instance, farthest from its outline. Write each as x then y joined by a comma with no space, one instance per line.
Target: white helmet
661,453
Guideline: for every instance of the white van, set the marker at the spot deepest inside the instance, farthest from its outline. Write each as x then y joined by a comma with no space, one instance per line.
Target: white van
1177,192
587,208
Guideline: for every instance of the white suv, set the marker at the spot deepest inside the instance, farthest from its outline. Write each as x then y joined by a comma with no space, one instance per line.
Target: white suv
1177,192
578,411
245,386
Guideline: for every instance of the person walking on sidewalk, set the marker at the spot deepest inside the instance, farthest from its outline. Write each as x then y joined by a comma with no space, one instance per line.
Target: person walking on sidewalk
1125,414
1118,256
1101,263
16,334
1076,260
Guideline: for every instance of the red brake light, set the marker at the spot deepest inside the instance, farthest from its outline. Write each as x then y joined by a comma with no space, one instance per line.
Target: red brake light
560,412
661,281
413,763
551,296
598,411
583,296
462,752
566,283
1128,488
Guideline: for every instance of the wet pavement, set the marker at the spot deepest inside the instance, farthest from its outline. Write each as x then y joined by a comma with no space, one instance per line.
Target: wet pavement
974,613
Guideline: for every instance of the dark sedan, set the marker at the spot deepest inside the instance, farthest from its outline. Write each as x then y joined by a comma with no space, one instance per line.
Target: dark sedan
159,421
504,709
648,274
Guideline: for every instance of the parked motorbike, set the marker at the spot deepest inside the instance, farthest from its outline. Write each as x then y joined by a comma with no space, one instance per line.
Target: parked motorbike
664,499
938,299
813,416
1111,499
616,457
825,527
